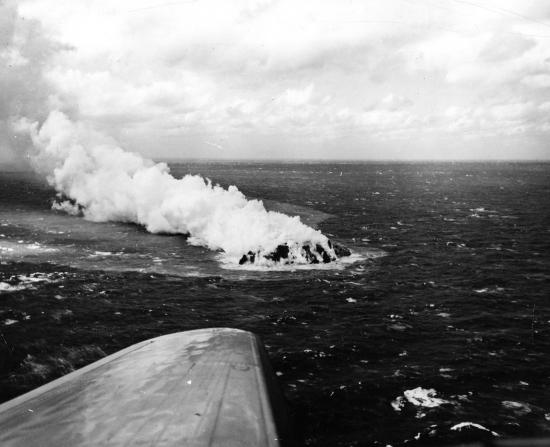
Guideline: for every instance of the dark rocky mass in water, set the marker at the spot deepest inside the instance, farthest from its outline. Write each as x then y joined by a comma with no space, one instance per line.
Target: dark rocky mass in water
60,199
316,255
340,250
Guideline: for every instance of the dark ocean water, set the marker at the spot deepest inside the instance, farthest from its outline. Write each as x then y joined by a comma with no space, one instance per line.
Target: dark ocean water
449,292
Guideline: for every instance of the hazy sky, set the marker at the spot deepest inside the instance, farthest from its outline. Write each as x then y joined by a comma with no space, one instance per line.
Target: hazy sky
370,79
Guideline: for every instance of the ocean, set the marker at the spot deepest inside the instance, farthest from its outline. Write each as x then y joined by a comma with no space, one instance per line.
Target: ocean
436,330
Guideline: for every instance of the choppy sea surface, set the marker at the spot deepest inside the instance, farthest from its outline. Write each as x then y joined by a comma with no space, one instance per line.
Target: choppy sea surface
435,332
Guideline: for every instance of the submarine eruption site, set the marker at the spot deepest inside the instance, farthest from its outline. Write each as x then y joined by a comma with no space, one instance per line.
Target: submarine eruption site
96,178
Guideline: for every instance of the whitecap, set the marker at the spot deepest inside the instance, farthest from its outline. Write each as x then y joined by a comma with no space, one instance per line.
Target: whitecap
5,287
424,398
26,282
471,424
517,407
398,403
483,210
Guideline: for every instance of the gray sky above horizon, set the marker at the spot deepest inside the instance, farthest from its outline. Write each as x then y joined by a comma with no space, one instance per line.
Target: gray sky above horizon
378,79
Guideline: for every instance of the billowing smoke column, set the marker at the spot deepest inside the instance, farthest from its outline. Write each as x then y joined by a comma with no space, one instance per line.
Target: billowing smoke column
106,183
93,176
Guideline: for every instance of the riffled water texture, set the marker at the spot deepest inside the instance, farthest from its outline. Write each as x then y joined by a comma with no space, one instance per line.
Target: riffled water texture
437,333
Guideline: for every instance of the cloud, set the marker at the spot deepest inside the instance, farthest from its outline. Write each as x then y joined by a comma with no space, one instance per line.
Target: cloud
537,81
162,75
26,52
498,119
391,102
296,97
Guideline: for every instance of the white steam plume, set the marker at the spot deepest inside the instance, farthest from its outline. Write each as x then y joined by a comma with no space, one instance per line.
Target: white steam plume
106,183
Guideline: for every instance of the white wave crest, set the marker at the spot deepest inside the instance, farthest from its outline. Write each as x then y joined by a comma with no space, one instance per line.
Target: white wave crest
424,398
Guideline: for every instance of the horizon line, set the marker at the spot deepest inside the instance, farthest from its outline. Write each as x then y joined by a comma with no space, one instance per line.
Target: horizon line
346,160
